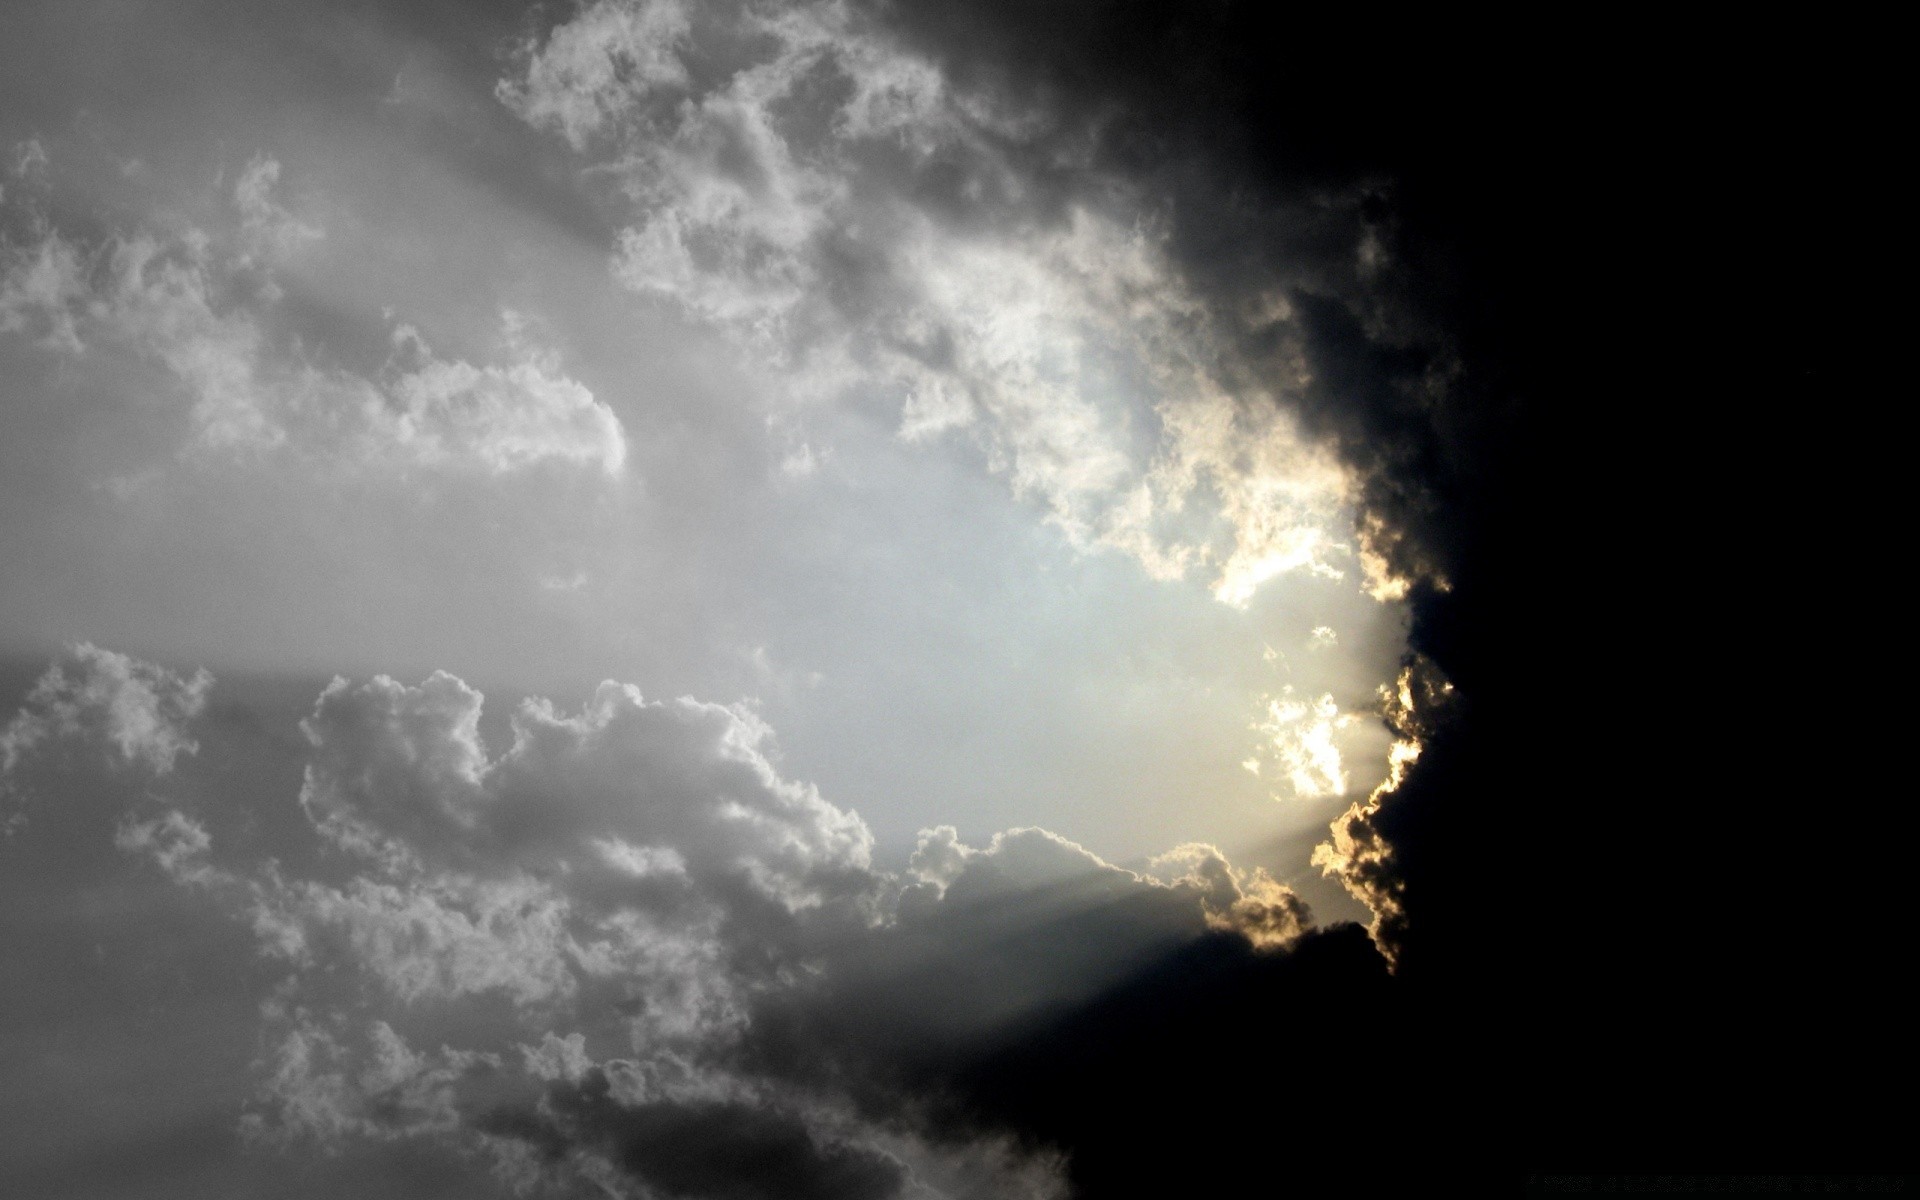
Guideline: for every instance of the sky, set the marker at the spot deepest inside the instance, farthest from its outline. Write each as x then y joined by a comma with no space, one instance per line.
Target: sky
644,598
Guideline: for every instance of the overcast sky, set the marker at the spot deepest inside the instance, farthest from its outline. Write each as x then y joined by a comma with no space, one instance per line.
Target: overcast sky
669,599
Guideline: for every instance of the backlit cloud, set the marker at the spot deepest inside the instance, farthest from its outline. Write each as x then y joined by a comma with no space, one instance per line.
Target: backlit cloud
1357,853
1056,420
832,201
610,934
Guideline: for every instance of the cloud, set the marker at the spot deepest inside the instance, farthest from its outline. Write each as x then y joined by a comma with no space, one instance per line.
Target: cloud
1269,230
139,711
648,961
321,1089
831,199
174,840
41,285
1357,852
713,1147
1253,904
500,419
200,305
597,67
438,939
1298,741
399,772
264,225
1368,238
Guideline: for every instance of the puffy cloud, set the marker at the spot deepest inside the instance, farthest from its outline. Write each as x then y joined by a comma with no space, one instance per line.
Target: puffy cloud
626,788
1368,246
838,204
138,710
595,68
1299,740
322,1088
174,840
651,964
438,939
1254,904
500,419
200,304
392,765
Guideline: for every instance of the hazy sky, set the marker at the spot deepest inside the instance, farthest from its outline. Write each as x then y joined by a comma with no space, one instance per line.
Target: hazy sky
805,599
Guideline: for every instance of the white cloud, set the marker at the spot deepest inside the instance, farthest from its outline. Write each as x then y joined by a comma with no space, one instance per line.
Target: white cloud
199,305
140,711
834,204
596,67
433,939
501,419
324,1088
1300,741
266,227
174,840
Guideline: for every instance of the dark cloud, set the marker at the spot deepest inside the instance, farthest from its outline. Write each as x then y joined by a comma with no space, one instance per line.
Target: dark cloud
1537,277
1202,1064
1342,193
718,1149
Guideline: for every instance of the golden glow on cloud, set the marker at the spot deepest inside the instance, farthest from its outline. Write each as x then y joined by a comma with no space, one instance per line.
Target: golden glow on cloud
1067,346
1251,903
1379,579
1298,740
1355,854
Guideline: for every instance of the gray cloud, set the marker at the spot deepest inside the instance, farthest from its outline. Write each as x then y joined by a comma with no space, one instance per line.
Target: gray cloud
1197,366
138,711
626,952
200,304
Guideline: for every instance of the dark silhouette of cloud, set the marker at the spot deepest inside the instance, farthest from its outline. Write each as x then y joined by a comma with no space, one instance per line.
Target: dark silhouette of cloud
727,1150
